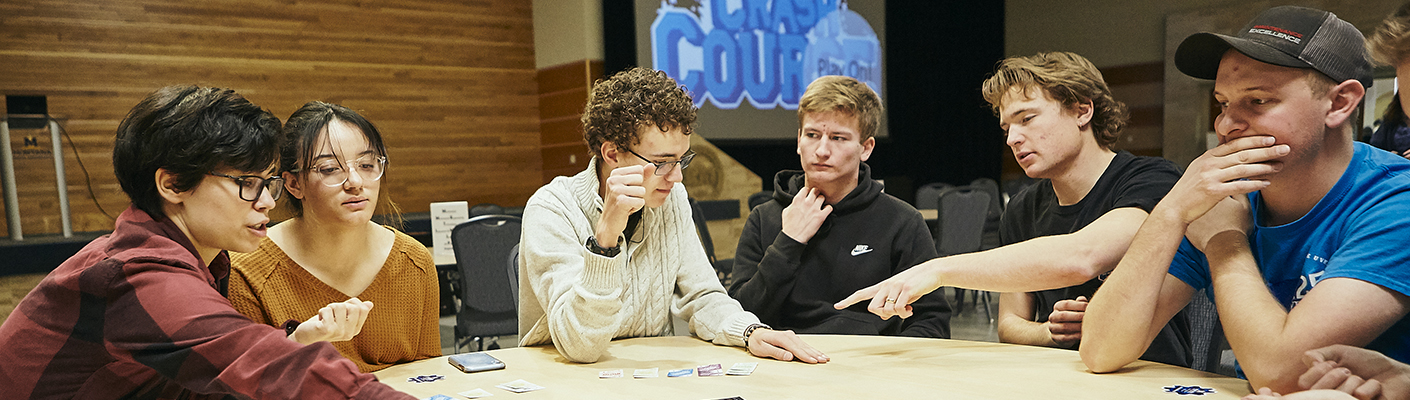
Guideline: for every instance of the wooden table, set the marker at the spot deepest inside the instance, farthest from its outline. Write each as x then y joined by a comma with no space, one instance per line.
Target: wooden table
862,367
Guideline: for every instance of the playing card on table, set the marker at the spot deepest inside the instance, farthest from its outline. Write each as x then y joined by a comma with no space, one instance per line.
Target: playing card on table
440,397
646,373
519,386
676,373
425,378
475,394
611,373
742,369
710,370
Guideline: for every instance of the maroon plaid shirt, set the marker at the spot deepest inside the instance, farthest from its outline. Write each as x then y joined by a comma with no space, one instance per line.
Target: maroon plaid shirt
135,315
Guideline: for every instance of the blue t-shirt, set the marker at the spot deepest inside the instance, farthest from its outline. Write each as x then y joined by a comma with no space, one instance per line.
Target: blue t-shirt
1360,229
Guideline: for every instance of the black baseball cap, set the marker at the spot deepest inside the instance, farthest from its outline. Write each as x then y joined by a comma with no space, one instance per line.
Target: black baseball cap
1288,36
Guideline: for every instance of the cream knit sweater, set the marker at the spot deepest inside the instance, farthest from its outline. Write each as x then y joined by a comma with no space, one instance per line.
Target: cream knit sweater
580,301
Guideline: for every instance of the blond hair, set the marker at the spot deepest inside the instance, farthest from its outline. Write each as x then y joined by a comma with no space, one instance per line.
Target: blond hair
1391,42
1066,77
844,95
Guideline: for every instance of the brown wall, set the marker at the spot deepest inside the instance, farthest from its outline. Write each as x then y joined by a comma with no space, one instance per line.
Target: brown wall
563,91
451,85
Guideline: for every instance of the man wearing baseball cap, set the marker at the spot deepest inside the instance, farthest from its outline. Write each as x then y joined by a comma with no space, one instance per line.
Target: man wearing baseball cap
1296,230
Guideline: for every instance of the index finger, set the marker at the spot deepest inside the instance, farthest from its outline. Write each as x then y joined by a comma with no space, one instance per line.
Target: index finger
1240,144
1074,305
801,350
856,297
628,170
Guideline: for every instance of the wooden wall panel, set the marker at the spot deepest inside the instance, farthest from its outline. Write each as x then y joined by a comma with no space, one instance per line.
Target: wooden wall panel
563,91
451,84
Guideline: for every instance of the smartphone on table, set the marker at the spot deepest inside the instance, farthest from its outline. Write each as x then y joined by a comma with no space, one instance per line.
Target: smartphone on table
475,362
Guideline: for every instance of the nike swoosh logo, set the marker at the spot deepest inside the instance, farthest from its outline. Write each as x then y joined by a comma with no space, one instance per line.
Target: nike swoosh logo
860,250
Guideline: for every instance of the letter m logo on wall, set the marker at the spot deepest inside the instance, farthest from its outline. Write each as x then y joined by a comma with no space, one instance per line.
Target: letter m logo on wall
31,141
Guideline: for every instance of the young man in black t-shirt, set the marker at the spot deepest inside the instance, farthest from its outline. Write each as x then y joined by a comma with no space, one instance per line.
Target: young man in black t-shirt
1064,233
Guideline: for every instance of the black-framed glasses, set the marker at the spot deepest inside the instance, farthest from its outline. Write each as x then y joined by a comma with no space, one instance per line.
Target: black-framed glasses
334,173
252,186
663,168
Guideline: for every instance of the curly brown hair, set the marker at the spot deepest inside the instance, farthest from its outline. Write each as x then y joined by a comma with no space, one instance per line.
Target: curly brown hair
620,106
1066,77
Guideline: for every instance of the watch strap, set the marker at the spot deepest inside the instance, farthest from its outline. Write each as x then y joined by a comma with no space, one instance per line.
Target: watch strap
593,247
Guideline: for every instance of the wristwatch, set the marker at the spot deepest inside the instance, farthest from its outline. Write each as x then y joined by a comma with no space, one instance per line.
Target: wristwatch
602,251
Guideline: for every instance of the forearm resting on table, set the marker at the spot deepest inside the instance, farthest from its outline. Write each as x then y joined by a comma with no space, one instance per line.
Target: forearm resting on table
1016,330
1122,317
1269,341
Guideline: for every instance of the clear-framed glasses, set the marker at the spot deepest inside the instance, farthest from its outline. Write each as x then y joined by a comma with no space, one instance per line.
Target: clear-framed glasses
334,173
663,168
252,186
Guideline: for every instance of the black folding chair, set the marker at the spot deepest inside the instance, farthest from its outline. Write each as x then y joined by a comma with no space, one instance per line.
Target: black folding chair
488,291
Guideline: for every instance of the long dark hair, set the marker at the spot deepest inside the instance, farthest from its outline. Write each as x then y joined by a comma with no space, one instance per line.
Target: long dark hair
301,135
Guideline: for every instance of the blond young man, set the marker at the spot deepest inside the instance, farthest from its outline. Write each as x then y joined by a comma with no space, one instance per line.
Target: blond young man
830,230
1062,234
1294,228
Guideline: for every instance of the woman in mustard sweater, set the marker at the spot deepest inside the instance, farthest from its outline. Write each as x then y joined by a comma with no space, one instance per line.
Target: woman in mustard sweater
329,263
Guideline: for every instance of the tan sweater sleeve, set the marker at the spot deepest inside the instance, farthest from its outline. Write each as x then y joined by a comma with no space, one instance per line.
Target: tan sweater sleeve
242,291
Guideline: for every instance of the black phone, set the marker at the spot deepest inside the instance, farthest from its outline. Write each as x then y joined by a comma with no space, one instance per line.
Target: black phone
475,362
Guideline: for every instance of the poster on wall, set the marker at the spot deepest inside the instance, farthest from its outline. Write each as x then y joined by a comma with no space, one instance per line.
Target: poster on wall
747,62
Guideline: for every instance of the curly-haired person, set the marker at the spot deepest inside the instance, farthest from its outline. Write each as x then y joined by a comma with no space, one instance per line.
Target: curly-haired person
612,251
1061,122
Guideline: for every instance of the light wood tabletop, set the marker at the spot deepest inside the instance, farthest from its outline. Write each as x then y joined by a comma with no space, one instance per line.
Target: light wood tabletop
862,367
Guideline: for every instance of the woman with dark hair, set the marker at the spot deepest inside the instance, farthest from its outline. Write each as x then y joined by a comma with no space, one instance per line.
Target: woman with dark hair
329,263
141,313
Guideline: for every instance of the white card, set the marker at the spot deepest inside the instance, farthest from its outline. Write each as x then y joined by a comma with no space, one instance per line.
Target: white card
475,394
742,369
519,386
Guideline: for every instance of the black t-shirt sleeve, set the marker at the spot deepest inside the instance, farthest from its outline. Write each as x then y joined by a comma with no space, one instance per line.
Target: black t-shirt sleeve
1142,183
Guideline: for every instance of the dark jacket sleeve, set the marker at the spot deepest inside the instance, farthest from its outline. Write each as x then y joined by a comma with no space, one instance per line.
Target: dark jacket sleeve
931,313
169,318
764,276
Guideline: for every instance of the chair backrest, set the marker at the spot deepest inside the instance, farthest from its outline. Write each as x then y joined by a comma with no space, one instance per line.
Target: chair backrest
760,197
996,203
488,304
514,274
486,209
928,196
1207,341
703,229
959,225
